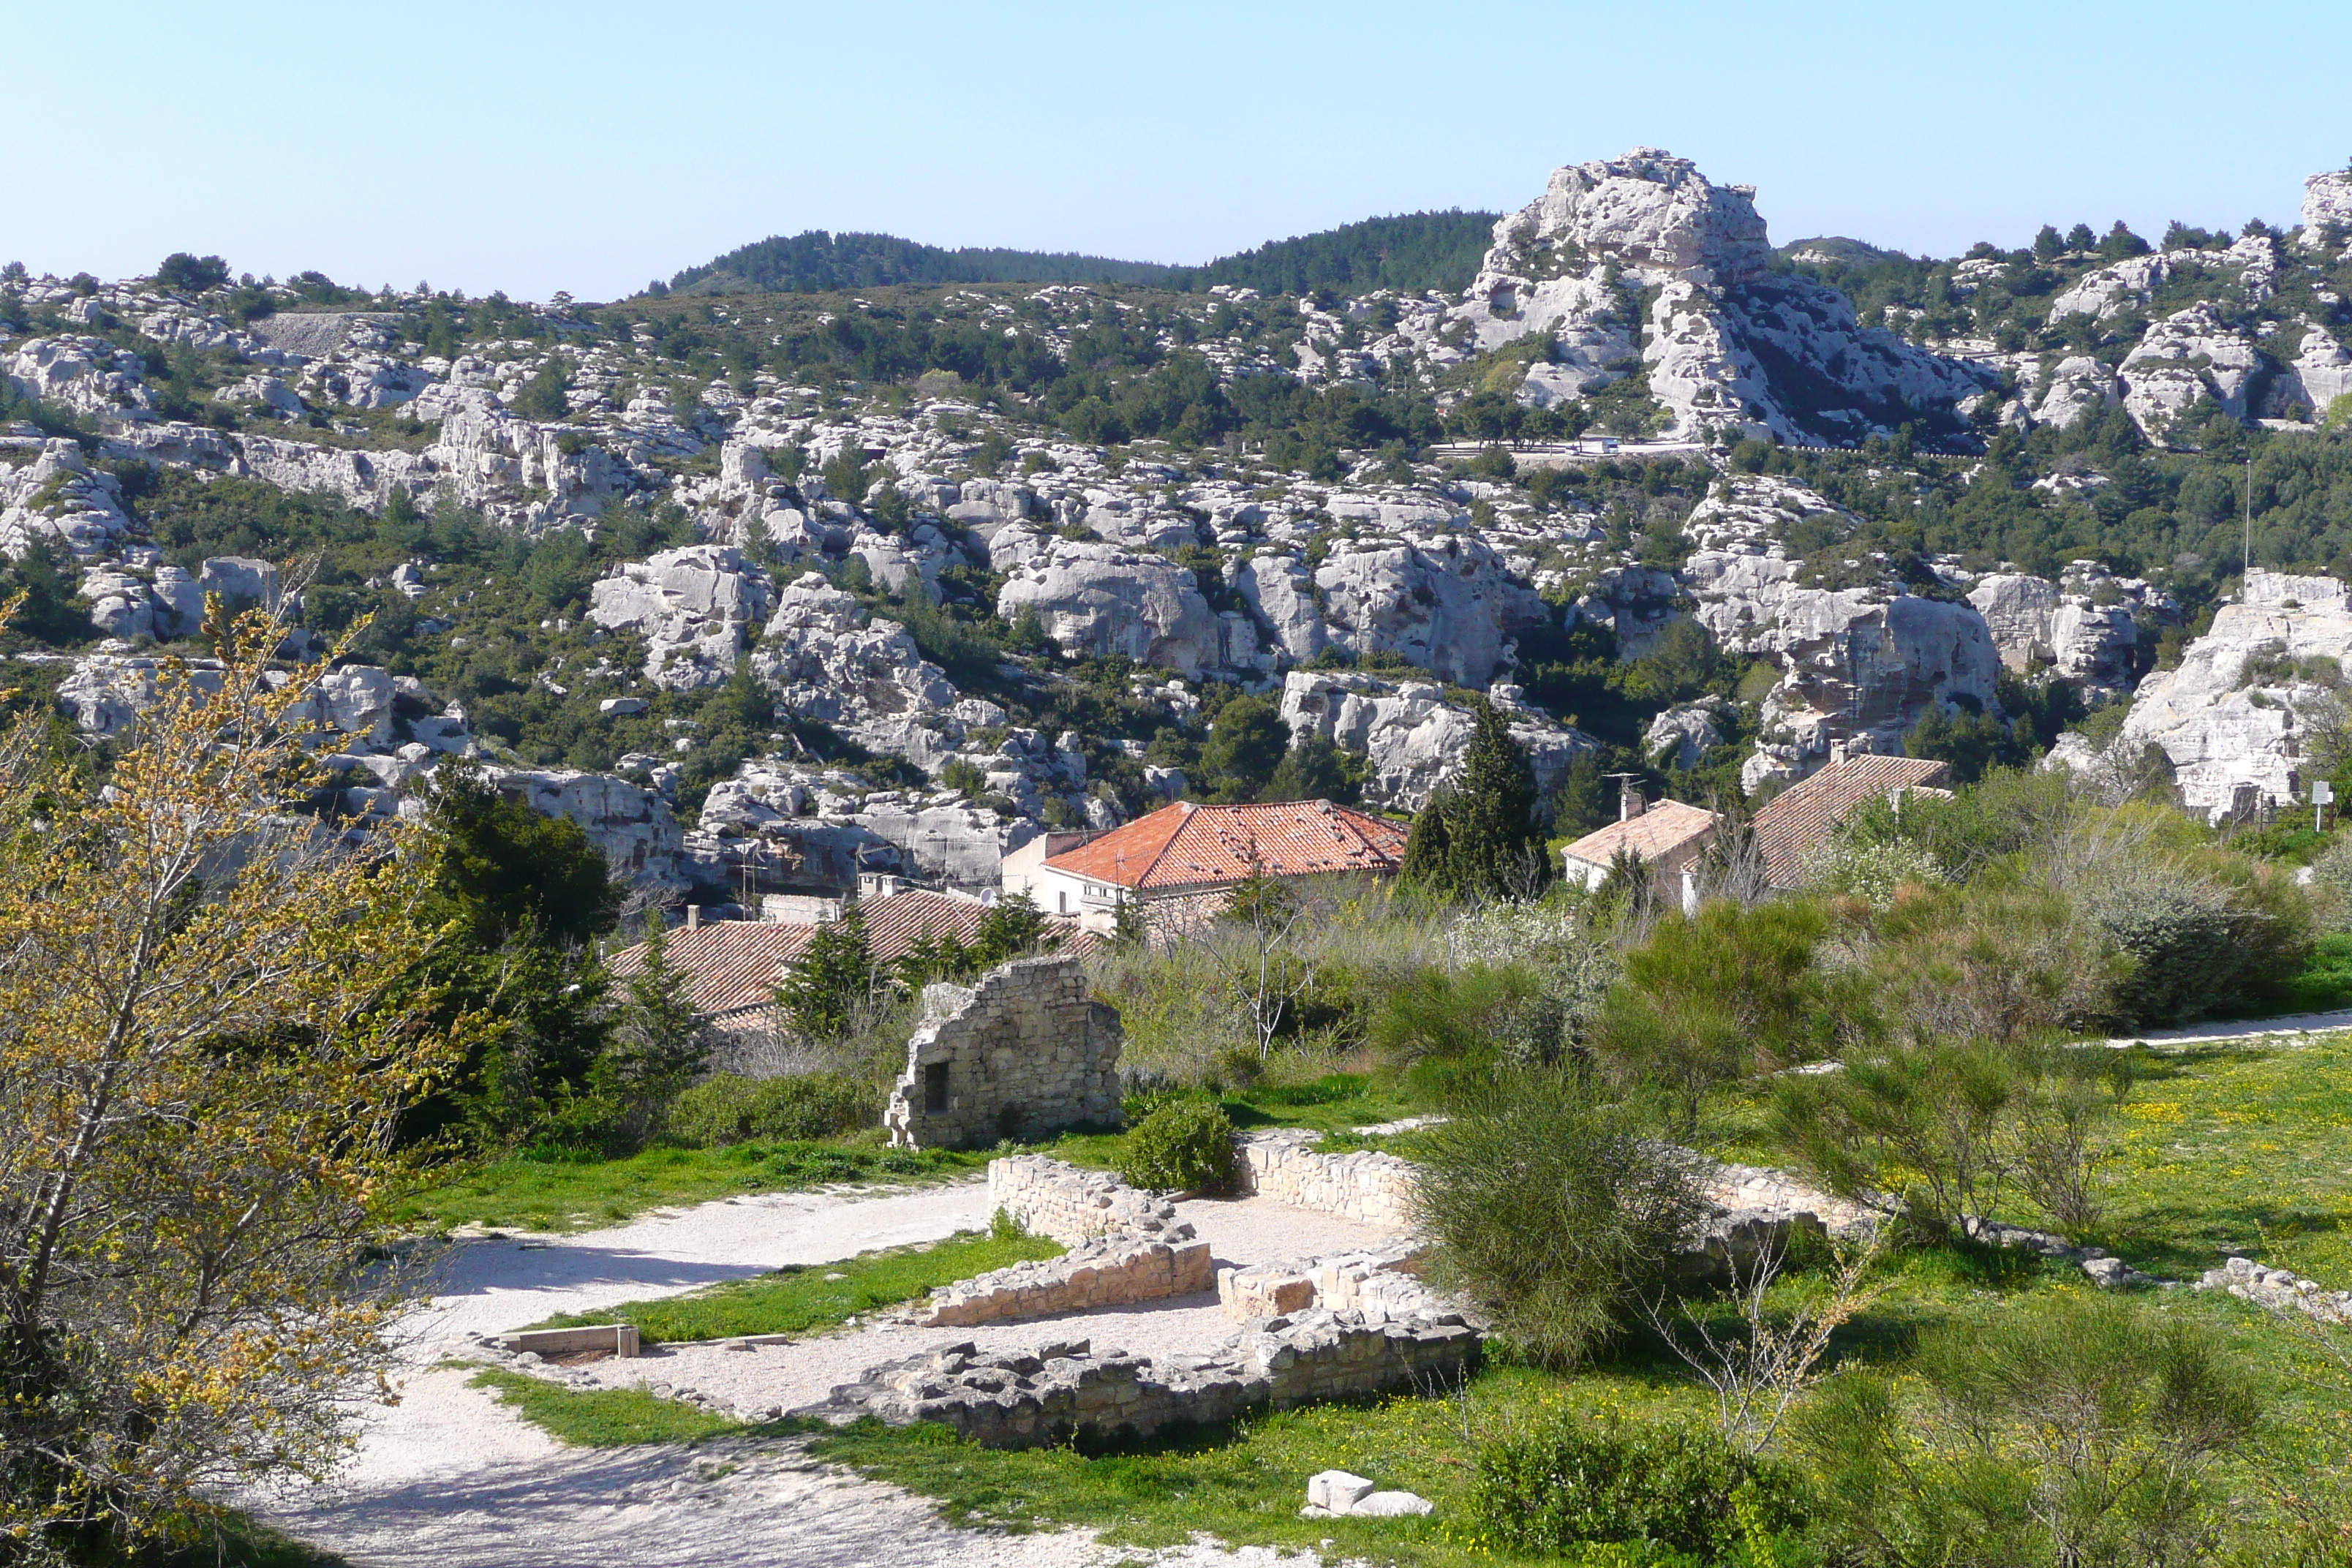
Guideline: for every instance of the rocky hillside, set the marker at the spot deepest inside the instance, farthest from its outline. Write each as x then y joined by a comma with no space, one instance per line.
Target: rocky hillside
771,589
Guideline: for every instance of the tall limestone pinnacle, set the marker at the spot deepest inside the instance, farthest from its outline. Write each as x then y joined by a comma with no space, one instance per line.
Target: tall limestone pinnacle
1729,349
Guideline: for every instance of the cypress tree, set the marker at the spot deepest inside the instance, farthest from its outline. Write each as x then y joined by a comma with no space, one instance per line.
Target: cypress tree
1428,864
1497,847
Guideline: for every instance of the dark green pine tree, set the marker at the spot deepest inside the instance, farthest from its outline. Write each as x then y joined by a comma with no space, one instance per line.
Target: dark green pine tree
833,975
1497,847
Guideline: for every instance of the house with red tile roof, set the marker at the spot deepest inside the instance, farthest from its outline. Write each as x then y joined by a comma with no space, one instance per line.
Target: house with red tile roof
1799,820
1187,849
1668,837
733,966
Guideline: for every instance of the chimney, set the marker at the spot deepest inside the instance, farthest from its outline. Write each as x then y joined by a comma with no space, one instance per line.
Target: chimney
694,917
1837,752
1630,804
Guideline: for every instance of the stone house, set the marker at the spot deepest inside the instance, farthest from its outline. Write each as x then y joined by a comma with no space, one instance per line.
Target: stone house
1024,1052
1668,837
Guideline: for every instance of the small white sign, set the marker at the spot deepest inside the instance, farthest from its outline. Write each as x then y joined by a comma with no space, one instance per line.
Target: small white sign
2322,793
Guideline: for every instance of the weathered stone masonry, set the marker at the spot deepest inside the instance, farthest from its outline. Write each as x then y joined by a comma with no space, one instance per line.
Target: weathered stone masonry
1025,1052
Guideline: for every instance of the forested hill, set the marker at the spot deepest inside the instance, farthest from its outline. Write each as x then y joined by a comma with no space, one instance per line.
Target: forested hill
816,261
1411,252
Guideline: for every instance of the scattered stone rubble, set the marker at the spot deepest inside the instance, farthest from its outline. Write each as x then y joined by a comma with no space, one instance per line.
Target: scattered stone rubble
2278,1288
1066,1391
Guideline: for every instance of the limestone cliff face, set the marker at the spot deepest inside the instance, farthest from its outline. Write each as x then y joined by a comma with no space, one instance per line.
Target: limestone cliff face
2235,718
1729,348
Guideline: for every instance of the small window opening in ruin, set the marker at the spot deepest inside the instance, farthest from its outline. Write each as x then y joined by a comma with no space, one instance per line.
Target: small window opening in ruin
935,1089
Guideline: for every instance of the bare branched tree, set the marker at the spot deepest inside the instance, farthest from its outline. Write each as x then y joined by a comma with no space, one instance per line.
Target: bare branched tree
1254,948
1758,1371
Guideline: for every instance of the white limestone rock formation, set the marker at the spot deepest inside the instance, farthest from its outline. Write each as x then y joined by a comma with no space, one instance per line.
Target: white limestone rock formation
1103,600
1569,263
1416,741
83,375
634,827
2087,628
1681,736
2186,356
2235,718
2327,213
58,499
1446,603
1280,592
694,607
826,661
2074,389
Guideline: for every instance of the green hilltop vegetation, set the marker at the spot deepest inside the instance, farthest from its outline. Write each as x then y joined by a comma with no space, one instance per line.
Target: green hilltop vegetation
1411,252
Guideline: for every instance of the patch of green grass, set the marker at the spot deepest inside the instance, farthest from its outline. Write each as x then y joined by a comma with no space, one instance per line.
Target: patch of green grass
603,1418
2324,983
560,1196
806,1296
2237,1148
235,1541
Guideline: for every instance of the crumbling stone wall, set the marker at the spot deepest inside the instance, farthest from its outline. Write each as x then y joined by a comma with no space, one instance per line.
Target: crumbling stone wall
1384,1284
1024,1053
1124,1246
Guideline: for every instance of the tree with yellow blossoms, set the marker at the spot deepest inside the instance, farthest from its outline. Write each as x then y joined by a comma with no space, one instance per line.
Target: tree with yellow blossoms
207,1029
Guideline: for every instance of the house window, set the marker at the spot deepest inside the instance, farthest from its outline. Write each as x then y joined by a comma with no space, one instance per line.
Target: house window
935,1090
1064,899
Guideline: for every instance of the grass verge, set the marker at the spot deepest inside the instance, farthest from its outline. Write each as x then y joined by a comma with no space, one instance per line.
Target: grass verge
563,1195
603,1418
806,1296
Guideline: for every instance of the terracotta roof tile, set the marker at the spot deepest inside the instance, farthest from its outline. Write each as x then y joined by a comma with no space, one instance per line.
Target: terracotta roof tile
1665,827
735,964
1191,846
1790,826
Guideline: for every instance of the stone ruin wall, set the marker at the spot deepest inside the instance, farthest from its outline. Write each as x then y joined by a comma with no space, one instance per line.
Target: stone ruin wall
1024,1053
1061,1392
1369,1187
1124,1246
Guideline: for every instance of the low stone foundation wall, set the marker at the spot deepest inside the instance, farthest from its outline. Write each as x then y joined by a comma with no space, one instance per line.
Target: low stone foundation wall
1106,1272
1124,1246
1065,1391
1383,1286
1367,1186
1060,1201
2249,1281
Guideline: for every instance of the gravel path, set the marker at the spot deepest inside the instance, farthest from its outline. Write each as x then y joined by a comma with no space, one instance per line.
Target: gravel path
2240,1029
450,1477
757,1380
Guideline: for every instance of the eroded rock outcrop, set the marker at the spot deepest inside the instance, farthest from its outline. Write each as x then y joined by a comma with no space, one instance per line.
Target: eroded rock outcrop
824,660
1413,738
1728,348
694,608
1103,600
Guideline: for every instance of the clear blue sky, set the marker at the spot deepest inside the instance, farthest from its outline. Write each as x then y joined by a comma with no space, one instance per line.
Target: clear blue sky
591,146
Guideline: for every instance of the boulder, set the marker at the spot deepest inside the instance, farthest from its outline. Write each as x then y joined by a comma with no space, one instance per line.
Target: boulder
1414,740
1103,600
2186,356
58,499
1681,736
693,606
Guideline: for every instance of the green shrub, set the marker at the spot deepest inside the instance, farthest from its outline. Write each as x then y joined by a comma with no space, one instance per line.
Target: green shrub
731,1109
2208,931
1666,1494
1549,1209
1182,1145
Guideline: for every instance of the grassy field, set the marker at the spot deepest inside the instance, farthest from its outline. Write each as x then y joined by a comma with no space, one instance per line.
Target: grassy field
520,1194
602,1418
563,1195
2220,1147
804,1298
2237,1148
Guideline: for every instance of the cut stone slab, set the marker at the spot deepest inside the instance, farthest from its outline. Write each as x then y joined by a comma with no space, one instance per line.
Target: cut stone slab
1391,1505
1336,1491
